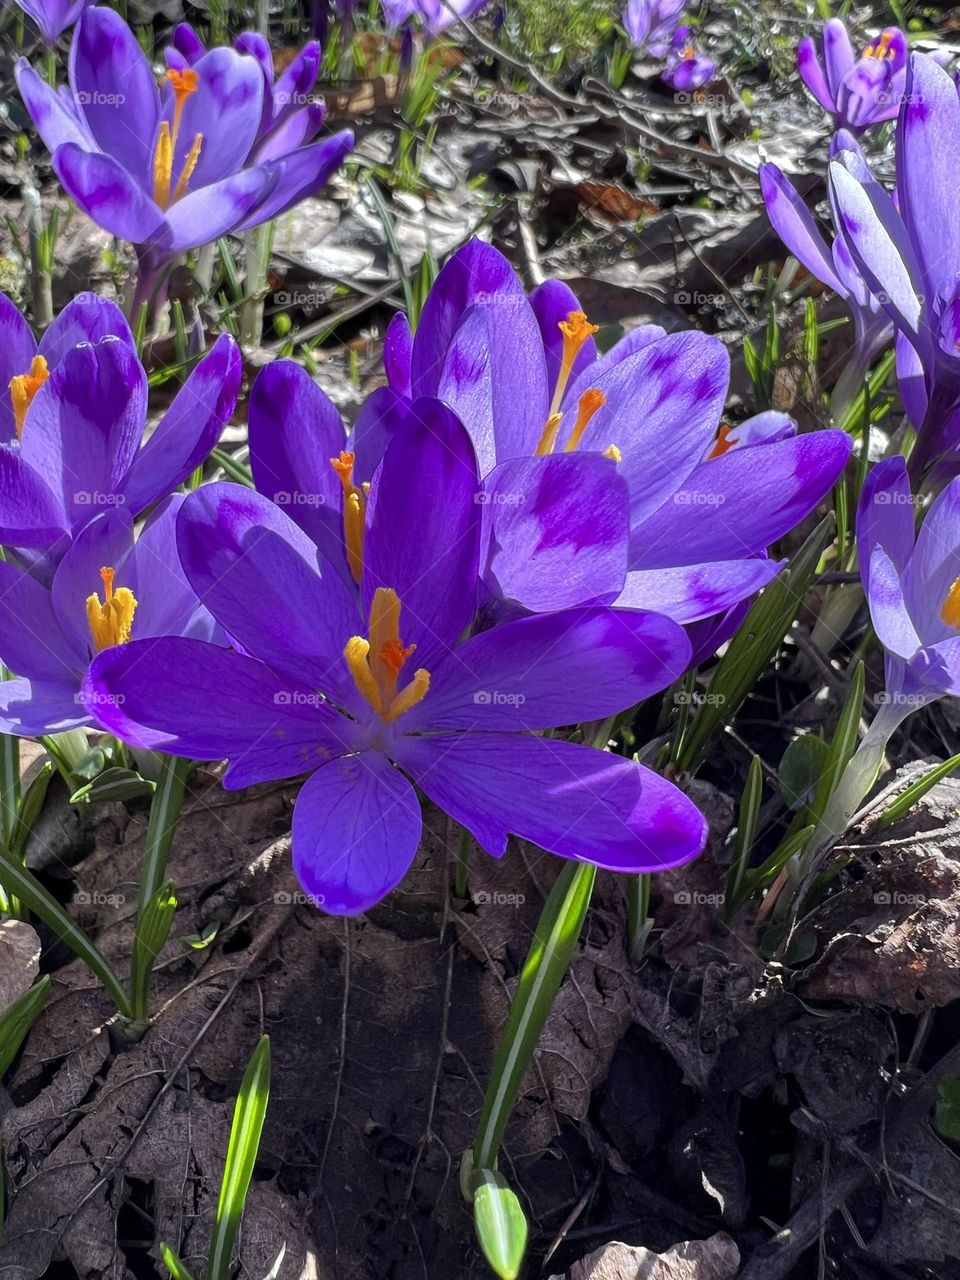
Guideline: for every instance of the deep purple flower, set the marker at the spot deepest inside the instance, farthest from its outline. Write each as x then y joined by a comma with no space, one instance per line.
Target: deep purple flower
857,92
25,364
108,588
833,266
651,23
327,685
574,446
912,584
686,68
292,115
909,253
172,170
53,17
80,447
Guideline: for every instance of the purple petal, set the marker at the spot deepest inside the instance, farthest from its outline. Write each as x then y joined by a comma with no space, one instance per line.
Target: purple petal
398,353
293,177
85,424
796,227
167,604
356,828
934,566
188,430
295,430
927,132
86,318
31,641
636,340
56,119
30,708
258,574
382,415
494,378
740,503
107,193
116,91
811,73
555,669
31,515
838,55
225,110
571,800
203,215
426,551
475,273
888,607
187,43
156,694
689,592
886,516
555,530
53,17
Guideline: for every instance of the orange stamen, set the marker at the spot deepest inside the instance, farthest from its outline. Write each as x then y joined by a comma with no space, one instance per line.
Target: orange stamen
354,512
590,402
24,387
375,664
950,613
723,443
576,330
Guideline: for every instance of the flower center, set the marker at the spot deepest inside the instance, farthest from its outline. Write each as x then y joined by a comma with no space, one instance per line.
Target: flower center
882,48
110,619
24,387
376,663
185,82
950,613
354,511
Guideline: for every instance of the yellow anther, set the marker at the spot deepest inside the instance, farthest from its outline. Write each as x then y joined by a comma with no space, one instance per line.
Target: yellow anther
613,453
950,613
590,402
576,330
24,387
111,619
354,512
882,48
375,664
548,437
185,81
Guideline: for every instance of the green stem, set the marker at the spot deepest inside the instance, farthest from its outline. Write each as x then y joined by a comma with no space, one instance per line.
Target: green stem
638,916
164,816
548,960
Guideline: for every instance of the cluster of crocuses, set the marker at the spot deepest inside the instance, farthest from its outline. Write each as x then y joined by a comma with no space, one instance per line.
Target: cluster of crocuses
517,534
655,27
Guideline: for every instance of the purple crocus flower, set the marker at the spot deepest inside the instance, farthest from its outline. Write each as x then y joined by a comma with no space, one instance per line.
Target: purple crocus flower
168,171
292,116
573,447
912,585
857,92
325,685
108,588
833,266
909,253
651,23
686,68
435,15
53,17
80,448
25,364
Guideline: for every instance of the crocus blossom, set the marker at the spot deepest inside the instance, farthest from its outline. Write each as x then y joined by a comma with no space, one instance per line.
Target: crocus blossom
435,15
573,446
25,364
651,23
833,266
909,253
169,170
325,685
857,92
292,115
686,68
53,17
80,450
108,588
